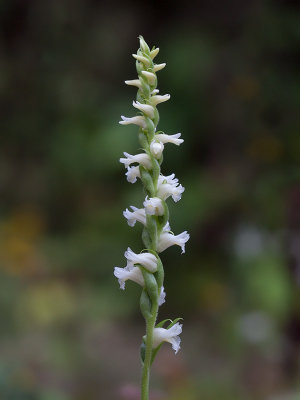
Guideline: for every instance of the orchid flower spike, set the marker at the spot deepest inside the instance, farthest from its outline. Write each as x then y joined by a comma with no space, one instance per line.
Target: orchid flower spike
146,268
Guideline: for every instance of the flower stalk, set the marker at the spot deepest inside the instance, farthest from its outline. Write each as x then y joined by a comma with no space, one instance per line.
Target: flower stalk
146,268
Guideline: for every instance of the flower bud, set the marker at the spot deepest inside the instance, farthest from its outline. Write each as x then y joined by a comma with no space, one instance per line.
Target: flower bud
153,206
151,78
156,149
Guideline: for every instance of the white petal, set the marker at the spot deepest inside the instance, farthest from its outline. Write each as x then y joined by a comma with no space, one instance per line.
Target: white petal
162,137
162,296
142,59
168,335
153,53
133,173
145,108
138,120
147,260
141,158
167,239
159,99
135,215
158,67
134,82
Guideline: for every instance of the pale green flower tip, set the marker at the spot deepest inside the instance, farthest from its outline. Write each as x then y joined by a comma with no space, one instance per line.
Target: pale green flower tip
143,45
141,59
159,67
151,78
154,52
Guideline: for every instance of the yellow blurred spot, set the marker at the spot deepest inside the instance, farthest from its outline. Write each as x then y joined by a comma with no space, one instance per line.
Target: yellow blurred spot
265,147
47,304
245,87
214,296
19,235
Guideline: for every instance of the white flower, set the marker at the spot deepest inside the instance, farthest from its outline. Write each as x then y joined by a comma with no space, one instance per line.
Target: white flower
138,214
153,206
129,272
159,99
168,186
147,260
162,137
156,148
132,174
158,67
145,108
167,239
142,59
154,52
134,82
150,76
138,120
141,158
154,91
162,296
168,335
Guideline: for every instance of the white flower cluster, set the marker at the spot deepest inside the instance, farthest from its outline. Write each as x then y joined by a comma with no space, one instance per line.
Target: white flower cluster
146,166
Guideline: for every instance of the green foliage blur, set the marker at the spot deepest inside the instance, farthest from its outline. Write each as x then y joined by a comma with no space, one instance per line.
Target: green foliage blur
67,332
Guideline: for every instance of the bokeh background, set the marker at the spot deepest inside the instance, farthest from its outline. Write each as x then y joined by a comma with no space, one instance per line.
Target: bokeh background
67,331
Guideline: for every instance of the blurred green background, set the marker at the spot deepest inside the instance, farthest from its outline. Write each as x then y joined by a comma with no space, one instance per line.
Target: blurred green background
67,331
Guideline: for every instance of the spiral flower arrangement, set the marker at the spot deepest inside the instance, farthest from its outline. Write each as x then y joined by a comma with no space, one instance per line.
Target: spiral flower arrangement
146,268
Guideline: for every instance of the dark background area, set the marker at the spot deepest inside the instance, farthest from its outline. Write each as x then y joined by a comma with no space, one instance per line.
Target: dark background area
67,331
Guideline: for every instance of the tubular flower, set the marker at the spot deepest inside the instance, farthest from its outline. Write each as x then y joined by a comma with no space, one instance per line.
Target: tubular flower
167,239
158,67
138,214
168,335
153,206
142,158
147,260
134,82
129,273
163,138
145,108
159,99
146,269
139,120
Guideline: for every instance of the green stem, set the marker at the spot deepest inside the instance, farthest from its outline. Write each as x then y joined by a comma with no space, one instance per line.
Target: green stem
148,353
